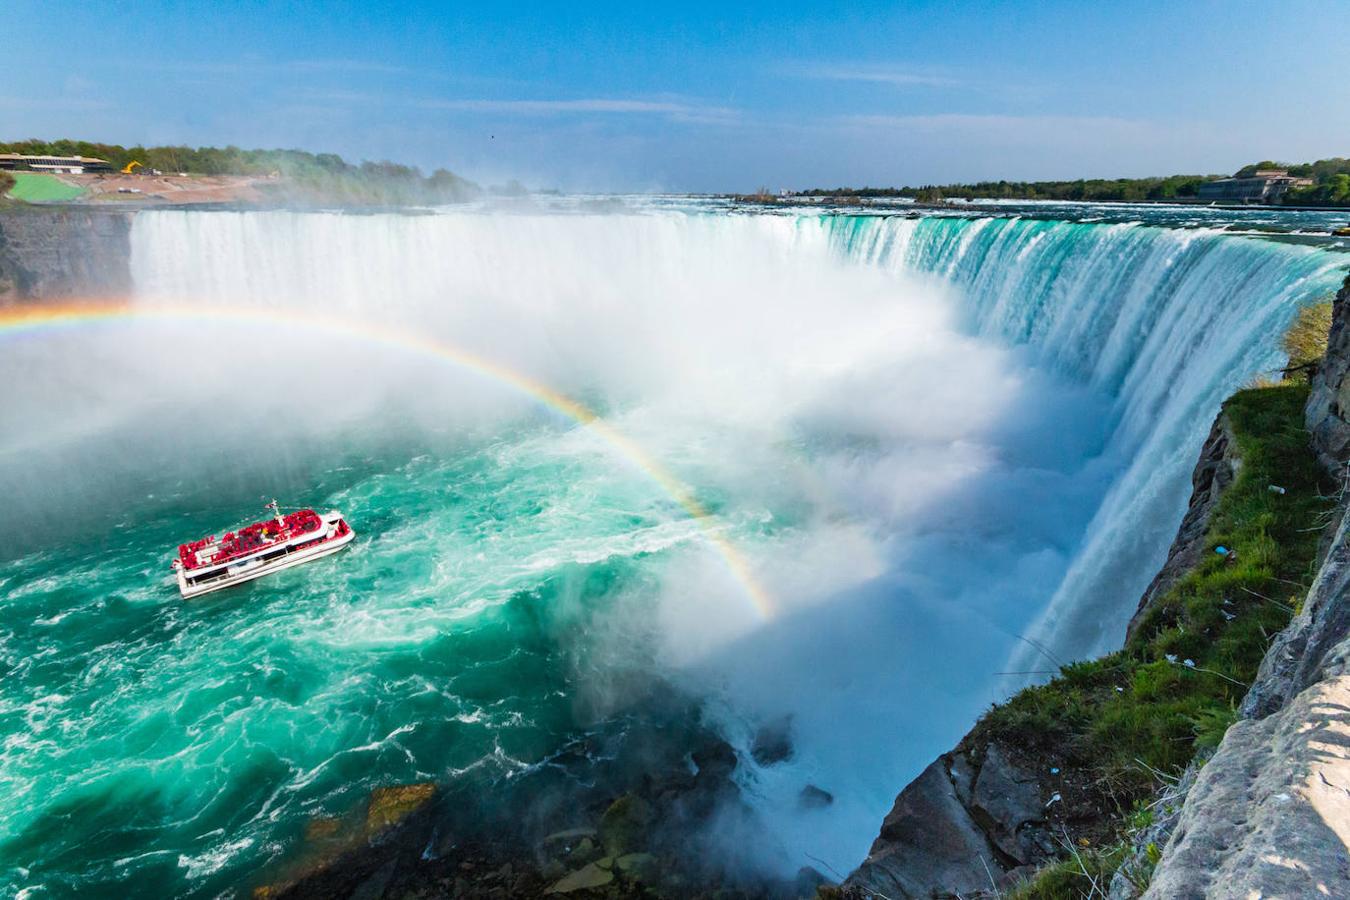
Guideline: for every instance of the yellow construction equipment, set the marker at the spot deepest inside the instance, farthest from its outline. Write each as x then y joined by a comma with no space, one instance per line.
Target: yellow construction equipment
126,170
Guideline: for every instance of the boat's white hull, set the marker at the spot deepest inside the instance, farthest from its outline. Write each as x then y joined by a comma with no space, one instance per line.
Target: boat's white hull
308,554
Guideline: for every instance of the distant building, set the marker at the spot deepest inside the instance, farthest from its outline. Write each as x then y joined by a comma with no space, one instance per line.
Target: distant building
66,165
1262,186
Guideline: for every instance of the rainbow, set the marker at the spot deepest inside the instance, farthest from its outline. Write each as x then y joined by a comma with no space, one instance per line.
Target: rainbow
45,318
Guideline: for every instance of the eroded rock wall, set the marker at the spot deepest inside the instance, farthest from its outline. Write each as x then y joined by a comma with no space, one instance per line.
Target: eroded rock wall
58,252
1328,414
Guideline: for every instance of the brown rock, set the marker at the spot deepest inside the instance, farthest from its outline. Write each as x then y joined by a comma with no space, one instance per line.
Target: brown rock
391,805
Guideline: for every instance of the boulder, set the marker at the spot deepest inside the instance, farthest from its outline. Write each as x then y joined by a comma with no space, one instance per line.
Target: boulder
584,879
929,844
1007,798
813,797
715,760
624,825
638,866
773,742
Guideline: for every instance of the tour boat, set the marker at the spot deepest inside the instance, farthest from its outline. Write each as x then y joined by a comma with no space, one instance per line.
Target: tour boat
259,549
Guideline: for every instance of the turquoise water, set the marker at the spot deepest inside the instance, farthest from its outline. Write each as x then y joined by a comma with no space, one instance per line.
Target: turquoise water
170,746
914,432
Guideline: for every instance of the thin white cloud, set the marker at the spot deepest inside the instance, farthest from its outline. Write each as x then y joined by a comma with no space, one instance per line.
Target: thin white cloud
584,105
346,65
258,67
876,74
994,122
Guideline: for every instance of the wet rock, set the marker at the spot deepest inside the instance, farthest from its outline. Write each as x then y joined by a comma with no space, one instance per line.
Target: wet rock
638,866
1009,797
962,774
1328,410
929,844
566,840
1216,470
716,760
373,887
813,797
588,878
624,825
391,805
773,742
63,252
322,828
585,850
808,882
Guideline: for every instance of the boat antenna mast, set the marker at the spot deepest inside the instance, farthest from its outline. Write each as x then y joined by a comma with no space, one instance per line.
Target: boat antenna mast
276,511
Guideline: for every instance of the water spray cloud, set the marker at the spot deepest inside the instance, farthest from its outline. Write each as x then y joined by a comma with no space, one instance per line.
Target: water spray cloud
75,314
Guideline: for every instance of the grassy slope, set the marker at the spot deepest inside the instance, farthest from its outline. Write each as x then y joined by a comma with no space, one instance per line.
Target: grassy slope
34,187
1113,718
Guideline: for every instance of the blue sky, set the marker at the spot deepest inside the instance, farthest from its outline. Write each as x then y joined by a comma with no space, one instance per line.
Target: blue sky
699,96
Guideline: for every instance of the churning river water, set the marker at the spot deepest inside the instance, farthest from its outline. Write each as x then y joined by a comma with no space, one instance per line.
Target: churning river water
913,445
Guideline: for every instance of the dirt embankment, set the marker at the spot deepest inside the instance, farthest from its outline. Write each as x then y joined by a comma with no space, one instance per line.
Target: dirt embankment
169,188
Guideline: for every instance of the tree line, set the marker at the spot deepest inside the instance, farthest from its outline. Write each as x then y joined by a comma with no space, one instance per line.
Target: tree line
318,176
1331,187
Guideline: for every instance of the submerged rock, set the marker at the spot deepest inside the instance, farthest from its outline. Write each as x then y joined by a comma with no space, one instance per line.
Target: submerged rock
322,828
391,805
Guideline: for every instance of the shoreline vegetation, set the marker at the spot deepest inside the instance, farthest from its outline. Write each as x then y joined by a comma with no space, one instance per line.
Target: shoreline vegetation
289,175
1331,188
1132,721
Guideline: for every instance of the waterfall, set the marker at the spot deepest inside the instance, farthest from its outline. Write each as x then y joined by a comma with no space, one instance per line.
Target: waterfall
927,436
1168,321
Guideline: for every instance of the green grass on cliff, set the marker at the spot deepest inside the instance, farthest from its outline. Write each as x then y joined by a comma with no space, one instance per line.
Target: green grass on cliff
1176,686
35,187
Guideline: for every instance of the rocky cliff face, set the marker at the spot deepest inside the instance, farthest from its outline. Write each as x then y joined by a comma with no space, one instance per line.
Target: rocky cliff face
965,826
1329,405
1218,466
1269,815
48,253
